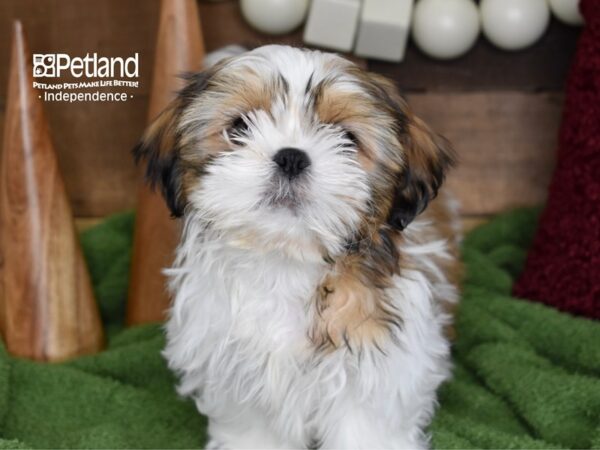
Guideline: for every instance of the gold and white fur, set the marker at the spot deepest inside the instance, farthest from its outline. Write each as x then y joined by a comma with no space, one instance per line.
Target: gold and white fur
309,311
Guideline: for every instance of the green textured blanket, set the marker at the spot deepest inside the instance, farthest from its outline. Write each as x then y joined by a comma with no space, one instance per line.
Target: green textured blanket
526,376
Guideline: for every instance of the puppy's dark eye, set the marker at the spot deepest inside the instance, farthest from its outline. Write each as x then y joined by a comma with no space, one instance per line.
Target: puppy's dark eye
238,128
351,137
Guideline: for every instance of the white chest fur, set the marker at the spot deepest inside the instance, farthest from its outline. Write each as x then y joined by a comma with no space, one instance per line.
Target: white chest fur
238,336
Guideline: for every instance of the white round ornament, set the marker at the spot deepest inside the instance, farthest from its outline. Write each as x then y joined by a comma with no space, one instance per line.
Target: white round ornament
514,24
445,29
567,11
274,16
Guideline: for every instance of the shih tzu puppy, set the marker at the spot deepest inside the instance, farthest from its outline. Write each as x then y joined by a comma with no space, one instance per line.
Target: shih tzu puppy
312,284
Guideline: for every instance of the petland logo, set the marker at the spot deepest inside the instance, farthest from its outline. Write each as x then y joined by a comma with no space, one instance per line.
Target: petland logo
53,65
98,78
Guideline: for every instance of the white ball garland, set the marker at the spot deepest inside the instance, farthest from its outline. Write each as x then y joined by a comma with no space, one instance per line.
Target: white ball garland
514,24
274,16
445,29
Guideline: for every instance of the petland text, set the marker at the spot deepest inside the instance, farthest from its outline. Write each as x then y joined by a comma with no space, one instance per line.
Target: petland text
52,65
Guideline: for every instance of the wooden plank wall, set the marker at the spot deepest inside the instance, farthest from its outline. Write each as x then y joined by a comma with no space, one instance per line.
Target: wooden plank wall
500,110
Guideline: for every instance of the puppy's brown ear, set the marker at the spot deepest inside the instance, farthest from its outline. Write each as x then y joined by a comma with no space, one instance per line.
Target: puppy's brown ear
158,149
427,157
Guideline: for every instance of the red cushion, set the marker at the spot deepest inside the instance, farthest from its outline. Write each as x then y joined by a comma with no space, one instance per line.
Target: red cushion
563,266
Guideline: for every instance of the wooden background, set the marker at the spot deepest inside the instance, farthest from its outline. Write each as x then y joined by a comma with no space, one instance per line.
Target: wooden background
500,110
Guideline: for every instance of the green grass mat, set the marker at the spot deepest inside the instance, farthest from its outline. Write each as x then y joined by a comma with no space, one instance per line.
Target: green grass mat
526,375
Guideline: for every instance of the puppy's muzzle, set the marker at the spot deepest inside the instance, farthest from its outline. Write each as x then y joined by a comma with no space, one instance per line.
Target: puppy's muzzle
291,161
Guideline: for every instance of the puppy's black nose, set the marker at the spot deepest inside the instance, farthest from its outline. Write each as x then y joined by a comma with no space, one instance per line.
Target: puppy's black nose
291,161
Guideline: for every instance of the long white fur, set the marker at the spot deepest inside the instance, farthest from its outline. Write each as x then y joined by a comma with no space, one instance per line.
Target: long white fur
237,333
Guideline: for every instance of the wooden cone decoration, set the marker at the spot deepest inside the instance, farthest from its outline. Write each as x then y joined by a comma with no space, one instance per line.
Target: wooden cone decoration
48,308
179,49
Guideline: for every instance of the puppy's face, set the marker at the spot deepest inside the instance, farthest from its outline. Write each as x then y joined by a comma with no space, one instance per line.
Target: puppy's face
293,149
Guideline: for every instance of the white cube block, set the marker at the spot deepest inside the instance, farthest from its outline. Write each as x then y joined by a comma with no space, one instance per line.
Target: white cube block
332,24
383,29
